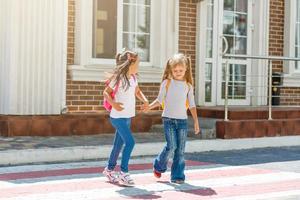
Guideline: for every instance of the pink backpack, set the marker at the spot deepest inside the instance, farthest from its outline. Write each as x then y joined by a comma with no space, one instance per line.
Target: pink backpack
106,104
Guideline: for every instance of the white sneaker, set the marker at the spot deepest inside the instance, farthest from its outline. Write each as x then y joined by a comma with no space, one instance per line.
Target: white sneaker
125,179
110,175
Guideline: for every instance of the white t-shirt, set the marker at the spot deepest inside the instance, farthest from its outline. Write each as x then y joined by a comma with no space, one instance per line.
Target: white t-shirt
175,98
126,97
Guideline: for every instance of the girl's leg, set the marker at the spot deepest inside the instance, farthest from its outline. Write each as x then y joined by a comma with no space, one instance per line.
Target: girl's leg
117,146
122,125
178,165
161,161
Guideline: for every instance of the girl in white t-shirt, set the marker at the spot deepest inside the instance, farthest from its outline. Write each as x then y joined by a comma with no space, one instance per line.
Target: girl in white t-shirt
123,109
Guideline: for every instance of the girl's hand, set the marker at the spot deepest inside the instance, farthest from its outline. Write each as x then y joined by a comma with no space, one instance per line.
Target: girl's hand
145,107
196,128
118,106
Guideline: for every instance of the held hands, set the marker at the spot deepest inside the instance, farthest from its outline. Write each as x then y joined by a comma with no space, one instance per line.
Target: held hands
145,107
118,106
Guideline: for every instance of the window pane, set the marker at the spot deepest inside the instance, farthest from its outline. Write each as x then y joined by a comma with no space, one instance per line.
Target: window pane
241,25
143,46
104,28
208,71
208,91
129,18
209,43
239,91
228,23
208,78
143,19
130,1
240,73
298,11
241,5
136,27
228,4
240,45
297,43
210,17
143,2
129,40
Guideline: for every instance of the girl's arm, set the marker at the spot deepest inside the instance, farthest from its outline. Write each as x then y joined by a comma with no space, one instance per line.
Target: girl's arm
140,95
116,105
195,118
154,104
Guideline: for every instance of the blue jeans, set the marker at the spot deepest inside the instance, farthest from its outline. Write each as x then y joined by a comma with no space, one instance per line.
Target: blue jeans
175,134
123,135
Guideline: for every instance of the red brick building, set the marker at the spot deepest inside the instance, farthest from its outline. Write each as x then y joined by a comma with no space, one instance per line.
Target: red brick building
82,37
259,27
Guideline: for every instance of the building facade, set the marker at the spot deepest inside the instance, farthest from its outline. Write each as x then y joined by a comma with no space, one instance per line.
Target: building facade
196,28
54,54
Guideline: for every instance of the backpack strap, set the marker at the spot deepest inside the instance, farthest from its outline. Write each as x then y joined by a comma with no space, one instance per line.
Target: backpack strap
187,104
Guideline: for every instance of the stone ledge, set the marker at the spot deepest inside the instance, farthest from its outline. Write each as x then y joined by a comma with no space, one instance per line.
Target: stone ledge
69,124
257,128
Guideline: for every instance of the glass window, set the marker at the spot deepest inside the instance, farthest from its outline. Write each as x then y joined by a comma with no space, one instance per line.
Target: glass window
208,80
104,29
235,25
136,28
136,31
297,43
209,29
236,83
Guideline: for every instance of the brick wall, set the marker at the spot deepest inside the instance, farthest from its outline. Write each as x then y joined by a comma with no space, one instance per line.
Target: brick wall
187,29
292,96
276,46
276,31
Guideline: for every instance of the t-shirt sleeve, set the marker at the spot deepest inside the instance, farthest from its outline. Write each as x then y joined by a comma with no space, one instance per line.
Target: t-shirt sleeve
191,97
162,92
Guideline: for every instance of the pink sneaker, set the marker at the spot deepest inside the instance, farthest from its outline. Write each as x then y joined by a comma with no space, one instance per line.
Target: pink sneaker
110,175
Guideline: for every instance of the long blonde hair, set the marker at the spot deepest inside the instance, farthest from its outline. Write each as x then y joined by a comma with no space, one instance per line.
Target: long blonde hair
179,59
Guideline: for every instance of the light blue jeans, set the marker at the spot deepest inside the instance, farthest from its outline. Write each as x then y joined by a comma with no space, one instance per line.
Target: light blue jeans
123,135
175,134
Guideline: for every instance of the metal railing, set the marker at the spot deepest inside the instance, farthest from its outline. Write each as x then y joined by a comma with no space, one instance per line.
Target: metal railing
270,60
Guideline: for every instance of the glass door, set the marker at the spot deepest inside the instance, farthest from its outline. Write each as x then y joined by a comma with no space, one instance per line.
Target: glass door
226,20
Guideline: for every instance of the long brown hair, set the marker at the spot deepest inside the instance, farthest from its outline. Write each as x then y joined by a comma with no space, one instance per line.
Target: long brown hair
176,60
123,61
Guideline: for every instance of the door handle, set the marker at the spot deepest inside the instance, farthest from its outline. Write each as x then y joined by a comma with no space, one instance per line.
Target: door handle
226,44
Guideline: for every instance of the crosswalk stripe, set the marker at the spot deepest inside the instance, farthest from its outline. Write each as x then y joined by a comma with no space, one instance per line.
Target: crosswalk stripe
195,178
203,181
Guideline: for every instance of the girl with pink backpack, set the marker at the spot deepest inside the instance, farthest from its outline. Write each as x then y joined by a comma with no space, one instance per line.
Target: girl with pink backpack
119,94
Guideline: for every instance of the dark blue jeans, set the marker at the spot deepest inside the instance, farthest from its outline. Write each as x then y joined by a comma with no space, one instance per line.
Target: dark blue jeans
175,134
123,135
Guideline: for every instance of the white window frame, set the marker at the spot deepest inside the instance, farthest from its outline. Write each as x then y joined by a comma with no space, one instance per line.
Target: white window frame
163,42
292,76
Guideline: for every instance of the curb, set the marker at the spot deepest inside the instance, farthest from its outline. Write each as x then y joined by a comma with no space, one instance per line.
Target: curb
27,156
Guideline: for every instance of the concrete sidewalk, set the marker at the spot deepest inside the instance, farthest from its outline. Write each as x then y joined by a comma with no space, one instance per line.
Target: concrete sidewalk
24,150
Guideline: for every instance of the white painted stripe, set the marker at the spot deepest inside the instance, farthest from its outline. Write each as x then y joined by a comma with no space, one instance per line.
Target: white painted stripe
62,179
295,194
160,187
